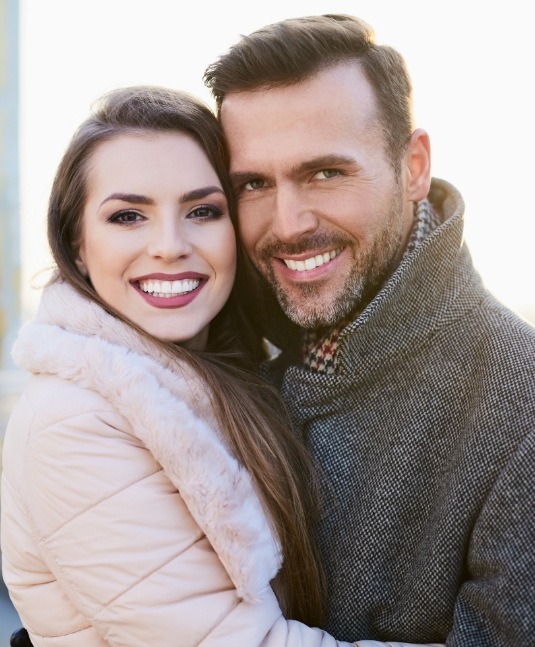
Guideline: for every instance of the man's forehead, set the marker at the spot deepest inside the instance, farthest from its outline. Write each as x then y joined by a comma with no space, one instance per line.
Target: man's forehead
338,95
349,71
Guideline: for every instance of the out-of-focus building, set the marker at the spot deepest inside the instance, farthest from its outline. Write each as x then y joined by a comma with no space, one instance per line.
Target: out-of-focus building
10,237
10,256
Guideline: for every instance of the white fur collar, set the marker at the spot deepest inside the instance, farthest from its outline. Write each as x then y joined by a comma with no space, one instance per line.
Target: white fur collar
169,412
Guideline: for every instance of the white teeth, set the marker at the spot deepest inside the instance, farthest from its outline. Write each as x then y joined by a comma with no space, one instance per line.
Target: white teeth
312,262
168,288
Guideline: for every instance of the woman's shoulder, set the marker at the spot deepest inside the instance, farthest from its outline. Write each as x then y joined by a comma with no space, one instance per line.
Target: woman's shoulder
49,399
65,442
58,425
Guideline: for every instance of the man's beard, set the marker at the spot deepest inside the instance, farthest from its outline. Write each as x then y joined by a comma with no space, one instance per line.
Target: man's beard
307,304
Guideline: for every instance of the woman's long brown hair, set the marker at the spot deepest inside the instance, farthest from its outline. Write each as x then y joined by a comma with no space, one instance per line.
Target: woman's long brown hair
250,413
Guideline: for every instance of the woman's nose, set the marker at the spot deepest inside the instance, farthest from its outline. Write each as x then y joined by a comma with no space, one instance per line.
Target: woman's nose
169,239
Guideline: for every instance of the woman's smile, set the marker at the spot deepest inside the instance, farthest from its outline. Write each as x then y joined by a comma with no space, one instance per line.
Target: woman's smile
170,291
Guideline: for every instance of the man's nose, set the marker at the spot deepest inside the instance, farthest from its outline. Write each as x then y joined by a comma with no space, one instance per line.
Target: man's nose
169,239
292,216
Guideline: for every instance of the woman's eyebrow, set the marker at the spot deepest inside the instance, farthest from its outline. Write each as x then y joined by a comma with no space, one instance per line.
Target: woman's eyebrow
196,194
132,198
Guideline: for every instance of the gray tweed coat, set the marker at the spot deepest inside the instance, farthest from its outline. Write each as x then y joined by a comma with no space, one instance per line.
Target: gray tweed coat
426,442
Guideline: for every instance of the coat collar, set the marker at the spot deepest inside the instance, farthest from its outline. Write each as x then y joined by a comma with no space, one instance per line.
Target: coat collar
432,285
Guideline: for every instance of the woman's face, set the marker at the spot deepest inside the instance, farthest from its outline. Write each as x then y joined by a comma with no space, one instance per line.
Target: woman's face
157,240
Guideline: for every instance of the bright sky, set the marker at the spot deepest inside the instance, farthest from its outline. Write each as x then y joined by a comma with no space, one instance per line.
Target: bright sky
471,65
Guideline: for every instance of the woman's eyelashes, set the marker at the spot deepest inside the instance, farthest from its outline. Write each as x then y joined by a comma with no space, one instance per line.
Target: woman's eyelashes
126,217
203,212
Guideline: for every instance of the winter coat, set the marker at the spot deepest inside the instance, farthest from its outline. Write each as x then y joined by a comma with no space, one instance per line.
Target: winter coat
125,520
426,440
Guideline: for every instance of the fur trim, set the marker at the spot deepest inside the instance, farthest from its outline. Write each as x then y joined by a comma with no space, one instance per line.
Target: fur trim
169,412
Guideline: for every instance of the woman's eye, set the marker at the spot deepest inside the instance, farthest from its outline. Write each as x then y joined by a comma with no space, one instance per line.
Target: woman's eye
205,212
327,173
126,217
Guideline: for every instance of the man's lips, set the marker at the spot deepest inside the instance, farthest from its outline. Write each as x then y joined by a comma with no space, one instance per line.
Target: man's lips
307,263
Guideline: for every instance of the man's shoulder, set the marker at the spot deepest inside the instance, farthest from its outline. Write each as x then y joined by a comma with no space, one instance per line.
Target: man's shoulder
505,332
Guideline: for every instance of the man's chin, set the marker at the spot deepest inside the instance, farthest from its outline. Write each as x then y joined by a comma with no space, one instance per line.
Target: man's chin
305,313
317,304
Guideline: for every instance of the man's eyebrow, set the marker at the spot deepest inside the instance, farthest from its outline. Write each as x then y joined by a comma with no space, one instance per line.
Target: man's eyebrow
314,164
242,177
324,161
188,196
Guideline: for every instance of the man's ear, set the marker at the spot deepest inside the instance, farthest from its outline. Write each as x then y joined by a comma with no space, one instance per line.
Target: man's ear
418,164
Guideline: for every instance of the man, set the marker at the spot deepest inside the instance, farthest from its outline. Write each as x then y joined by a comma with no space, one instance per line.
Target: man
412,385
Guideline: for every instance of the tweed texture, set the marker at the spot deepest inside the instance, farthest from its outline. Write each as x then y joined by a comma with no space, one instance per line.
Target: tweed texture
426,444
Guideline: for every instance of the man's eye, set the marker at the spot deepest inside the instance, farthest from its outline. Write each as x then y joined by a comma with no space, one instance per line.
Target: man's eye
326,173
126,217
254,185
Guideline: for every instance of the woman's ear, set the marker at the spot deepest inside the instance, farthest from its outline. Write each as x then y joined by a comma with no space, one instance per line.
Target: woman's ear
418,166
80,263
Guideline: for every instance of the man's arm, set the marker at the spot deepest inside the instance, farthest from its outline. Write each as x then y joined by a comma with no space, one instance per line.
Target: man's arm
496,604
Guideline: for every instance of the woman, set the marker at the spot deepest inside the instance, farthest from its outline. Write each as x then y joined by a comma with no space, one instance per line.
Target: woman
151,485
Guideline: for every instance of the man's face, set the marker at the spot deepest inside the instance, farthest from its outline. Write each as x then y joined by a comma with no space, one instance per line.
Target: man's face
322,214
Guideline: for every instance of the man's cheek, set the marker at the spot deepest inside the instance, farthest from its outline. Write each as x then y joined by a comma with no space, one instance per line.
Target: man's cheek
250,235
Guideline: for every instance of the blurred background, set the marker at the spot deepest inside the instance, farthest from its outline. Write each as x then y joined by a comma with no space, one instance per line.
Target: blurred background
472,70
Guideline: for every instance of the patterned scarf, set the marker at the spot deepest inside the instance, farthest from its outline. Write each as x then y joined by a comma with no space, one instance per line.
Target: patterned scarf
319,347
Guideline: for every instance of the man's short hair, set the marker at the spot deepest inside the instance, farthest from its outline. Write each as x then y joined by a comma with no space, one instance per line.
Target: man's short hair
291,51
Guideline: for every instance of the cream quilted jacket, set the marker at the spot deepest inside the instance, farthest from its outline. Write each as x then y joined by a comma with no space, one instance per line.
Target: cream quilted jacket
125,521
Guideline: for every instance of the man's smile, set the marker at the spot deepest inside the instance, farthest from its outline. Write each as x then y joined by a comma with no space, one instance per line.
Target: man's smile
311,262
